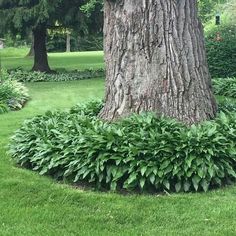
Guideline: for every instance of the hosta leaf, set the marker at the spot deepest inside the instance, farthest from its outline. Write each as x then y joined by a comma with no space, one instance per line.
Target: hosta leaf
143,170
113,186
205,185
178,187
152,178
196,179
186,186
142,182
132,178
166,183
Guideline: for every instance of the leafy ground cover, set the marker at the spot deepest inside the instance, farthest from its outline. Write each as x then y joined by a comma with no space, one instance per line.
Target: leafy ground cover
13,94
141,152
34,205
29,76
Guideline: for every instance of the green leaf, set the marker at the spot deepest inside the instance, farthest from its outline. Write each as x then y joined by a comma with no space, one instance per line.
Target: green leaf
178,187
143,170
142,182
152,178
196,179
113,186
132,178
166,183
200,172
211,171
205,185
186,186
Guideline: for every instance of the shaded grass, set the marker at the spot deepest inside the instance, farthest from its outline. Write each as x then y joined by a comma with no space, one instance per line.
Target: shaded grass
14,52
34,205
68,61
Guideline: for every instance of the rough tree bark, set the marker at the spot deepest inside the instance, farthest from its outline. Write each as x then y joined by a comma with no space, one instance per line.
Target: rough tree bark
155,60
40,51
68,45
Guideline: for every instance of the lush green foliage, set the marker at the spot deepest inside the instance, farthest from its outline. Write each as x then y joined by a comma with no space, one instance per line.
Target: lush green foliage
206,9
3,108
225,87
25,76
140,152
12,93
226,105
220,42
222,54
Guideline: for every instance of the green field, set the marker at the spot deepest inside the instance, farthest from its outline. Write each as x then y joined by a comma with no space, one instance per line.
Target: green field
15,58
35,205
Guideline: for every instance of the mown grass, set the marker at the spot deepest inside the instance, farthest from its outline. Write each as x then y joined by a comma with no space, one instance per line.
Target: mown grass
15,58
35,205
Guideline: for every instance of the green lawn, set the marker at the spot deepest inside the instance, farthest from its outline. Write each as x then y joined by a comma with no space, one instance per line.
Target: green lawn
15,58
34,205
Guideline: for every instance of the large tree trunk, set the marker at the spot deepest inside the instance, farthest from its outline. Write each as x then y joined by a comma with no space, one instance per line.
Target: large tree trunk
40,57
155,60
31,51
68,45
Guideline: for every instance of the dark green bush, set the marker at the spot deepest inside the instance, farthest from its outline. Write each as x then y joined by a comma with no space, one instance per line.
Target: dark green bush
225,87
25,76
222,54
140,152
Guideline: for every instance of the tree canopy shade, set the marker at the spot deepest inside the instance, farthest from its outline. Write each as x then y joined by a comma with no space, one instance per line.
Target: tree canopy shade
20,16
155,60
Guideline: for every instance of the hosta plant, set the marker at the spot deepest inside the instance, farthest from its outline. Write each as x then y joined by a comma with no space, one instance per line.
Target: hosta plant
141,152
12,93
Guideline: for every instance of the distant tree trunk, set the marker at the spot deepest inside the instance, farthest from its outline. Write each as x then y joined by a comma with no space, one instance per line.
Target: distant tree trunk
40,57
31,51
155,60
68,45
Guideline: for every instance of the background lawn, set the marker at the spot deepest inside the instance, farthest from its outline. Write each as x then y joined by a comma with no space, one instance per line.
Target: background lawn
15,58
35,205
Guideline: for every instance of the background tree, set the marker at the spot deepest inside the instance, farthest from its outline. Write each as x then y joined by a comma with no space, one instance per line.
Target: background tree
155,60
38,16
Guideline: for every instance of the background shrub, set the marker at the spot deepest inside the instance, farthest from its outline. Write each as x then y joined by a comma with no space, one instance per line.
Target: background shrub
25,76
141,152
12,93
226,105
225,87
3,108
222,54
221,49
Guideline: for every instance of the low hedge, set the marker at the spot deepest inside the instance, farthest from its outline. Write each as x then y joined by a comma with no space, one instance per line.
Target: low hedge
26,76
142,152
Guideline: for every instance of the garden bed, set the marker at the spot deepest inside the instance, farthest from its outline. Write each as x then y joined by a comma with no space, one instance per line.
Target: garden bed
142,152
